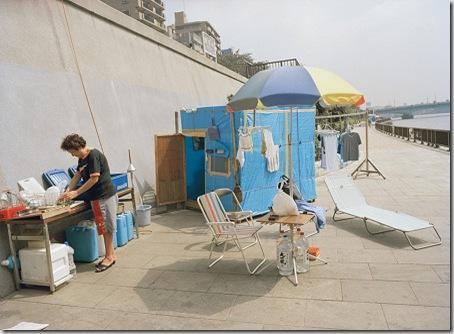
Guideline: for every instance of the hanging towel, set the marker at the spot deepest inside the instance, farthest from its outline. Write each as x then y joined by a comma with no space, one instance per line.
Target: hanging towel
317,210
240,157
245,141
329,158
271,151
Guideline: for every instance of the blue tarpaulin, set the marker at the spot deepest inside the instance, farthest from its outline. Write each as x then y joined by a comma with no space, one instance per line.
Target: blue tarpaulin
258,185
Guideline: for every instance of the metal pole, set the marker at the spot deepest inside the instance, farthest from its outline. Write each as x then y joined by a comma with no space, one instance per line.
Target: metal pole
290,153
367,140
133,196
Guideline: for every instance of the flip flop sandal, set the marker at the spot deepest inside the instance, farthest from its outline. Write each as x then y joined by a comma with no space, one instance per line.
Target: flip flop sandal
102,267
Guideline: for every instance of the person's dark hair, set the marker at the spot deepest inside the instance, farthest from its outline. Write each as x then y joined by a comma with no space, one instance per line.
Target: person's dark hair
73,142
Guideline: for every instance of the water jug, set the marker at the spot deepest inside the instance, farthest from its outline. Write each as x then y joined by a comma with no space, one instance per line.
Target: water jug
301,256
285,256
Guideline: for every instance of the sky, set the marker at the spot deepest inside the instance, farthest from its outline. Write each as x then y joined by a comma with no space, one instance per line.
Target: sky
393,51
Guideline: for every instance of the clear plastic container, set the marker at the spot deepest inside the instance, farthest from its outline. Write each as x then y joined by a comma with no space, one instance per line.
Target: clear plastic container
285,256
301,256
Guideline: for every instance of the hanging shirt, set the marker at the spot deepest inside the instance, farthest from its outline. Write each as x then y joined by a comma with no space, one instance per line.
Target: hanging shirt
329,159
350,142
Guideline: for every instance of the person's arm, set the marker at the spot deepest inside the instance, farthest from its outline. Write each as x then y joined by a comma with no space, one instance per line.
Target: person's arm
74,181
87,185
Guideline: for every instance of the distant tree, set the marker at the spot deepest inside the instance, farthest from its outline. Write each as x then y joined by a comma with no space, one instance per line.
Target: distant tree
236,61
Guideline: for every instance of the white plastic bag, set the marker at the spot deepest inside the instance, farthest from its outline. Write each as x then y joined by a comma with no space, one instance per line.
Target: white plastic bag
284,205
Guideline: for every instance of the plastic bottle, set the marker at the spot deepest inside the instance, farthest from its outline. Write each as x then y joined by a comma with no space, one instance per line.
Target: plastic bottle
302,258
285,256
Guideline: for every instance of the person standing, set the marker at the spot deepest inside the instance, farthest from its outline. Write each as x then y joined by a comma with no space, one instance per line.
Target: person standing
97,188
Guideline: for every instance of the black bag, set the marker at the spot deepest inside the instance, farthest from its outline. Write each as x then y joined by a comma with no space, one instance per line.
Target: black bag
285,183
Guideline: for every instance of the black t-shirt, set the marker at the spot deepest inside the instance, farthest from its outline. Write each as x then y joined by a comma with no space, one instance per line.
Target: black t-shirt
96,163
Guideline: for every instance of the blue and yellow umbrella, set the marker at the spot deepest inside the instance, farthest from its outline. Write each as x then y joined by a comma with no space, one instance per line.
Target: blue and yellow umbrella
294,85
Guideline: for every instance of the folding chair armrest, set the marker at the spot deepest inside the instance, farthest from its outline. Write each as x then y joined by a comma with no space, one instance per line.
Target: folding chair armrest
239,215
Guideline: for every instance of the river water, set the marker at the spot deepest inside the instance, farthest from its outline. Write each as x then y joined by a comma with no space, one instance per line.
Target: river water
430,121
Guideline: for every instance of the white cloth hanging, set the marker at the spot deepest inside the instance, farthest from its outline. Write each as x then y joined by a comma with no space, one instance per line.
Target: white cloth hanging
245,141
271,152
240,157
329,158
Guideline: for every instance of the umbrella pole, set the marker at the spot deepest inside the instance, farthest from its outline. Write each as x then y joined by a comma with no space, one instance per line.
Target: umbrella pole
289,136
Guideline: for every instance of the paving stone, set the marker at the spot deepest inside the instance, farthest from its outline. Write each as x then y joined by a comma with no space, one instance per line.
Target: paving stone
432,294
432,255
366,256
273,311
58,317
200,305
85,273
345,315
334,242
340,271
132,277
72,294
173,263
443,272
403,317
185,281
308,288
378,292
403,272
244,284
137,300
292,328
145,322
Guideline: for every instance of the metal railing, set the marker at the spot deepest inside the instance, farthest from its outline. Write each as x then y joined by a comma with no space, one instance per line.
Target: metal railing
430,137
252,69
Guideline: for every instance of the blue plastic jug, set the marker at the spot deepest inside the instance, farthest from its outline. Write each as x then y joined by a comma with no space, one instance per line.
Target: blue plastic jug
129,225
84,241
122,230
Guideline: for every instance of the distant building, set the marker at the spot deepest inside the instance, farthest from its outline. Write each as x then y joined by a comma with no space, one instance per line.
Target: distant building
149,12
227,52
198,35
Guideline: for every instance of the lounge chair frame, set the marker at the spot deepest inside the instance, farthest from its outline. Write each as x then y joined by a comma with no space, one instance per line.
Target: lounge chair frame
366,219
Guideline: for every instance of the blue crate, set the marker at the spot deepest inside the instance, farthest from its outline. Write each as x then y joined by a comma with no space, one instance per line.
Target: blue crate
120,181
56,176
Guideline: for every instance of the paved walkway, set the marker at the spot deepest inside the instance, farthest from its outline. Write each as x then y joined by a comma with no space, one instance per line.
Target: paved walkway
371,282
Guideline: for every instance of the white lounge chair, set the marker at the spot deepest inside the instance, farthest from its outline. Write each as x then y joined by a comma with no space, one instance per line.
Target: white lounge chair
349,200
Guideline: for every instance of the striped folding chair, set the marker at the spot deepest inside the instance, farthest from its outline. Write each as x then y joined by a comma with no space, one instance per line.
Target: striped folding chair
223,229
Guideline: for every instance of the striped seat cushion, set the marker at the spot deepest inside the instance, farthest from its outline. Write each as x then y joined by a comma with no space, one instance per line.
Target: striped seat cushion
214,211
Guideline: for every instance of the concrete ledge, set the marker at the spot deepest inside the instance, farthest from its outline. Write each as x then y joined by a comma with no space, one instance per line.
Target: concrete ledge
110,14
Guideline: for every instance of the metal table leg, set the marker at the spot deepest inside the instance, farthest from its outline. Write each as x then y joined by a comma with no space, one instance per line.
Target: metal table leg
13,255
49,258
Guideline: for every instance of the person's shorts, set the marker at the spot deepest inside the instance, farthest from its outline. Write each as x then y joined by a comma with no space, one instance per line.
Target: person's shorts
105,212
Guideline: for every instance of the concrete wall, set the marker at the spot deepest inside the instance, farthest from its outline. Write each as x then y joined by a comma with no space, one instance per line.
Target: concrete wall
135,78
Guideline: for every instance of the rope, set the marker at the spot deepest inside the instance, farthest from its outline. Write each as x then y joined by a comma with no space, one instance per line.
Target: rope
80,76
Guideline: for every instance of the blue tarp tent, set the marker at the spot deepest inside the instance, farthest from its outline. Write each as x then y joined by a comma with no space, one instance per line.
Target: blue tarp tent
210,163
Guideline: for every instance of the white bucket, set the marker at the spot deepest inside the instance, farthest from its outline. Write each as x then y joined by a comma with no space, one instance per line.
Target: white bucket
143,215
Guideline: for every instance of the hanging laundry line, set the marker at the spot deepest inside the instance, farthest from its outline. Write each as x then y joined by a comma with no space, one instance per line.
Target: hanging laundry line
366,161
